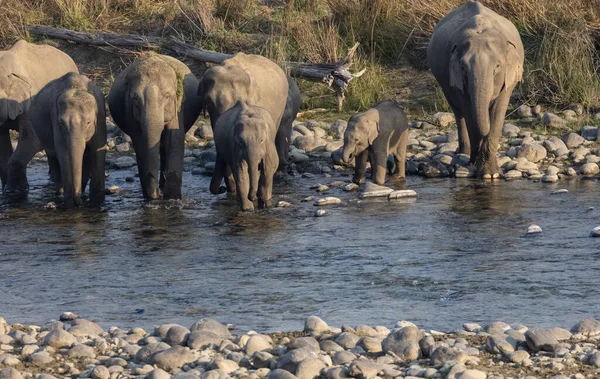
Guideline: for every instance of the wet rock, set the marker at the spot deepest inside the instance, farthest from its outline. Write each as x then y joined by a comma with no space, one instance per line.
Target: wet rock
595,232
310,368
59,338
173,357
339,128
404,343
329,200
550,178
589,169
315,325
574,140
433,169
513,174
351,187
533,229
210,325
320,213
540,339
298,156
283,204
177,335
524,111
532,152
123,147
374,190
347,340
124,162
553,121
444,119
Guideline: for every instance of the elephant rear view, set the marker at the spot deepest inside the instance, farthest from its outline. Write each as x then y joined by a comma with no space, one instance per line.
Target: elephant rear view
253,79
477,57
155,102
24,70
69,118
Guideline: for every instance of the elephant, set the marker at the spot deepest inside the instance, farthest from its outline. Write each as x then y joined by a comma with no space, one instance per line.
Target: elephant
284,134
373,135
246,152
69,118
25,69
477,57
154,100
252,79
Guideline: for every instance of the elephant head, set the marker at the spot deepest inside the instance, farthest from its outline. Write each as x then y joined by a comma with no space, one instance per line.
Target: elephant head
359,135
74,120
482,67
15,95
250,137
153,97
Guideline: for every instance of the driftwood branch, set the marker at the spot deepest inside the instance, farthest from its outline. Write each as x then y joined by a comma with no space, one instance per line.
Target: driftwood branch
336,75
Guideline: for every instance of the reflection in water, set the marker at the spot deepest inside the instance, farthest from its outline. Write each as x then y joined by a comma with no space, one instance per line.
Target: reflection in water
457,253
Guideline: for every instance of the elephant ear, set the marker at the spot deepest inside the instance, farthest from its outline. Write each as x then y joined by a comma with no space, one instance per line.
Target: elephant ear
455,73
19,94
514,69
372,131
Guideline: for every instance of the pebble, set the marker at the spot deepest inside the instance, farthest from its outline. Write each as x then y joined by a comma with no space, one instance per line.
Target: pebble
330,200
321,213
400,194
560,191
595,232
374,190
283,204
534,229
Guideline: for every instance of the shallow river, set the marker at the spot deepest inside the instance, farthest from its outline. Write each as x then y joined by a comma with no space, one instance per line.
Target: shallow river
456,254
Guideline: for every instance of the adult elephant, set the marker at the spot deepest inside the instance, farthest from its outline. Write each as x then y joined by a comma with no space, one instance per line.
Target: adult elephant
477,57
284,133
25,69
154,101
253,79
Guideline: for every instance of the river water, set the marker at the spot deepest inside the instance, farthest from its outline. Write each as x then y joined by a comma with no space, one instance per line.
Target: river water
456,254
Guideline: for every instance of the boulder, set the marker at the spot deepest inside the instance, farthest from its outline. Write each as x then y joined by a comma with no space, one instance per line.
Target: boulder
532,152
174,357
404,343
210,325
257,342
573,140
59,339
314,324
177,335
444,119
553,121
589,169
589,327
539,339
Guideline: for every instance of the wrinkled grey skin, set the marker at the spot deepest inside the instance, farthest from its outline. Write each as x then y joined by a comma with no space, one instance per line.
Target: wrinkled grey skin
284,134
252,79
148,103
24,70
373,135
246,152
68,117
477,57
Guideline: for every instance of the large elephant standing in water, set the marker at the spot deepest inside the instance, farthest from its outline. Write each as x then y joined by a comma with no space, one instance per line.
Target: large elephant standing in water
477,57
25,69
155,102
253,79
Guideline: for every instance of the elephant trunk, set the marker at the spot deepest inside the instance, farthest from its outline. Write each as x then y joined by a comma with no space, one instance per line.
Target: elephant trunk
348,153
71,170
481,89
148,159
253,175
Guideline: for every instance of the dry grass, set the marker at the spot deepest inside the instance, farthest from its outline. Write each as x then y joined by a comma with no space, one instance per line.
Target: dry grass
562,37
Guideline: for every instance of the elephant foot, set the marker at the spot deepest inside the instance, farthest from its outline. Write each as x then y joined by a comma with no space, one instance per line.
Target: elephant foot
247,206
264,204
17,184
171,193
358,181
398,178
488,172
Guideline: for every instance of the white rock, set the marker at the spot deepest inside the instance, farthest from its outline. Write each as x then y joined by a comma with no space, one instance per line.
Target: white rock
401,194
329,200
533,229
595,232
374,190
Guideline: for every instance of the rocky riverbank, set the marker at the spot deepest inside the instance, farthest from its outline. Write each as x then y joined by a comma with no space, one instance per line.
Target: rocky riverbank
543,147
78,348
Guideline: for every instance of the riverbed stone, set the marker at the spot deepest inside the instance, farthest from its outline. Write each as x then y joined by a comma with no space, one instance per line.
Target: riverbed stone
444,354
524,111
85,328
371,345
10,373
589,327
258,342
177,335
211,325
124,162
220,363
539,339
329,200
589,169
158,374
339,128
404,343
532,152
347,340
314,324
100,372
146,353
300,342
589,132
281,374
173,357
40,359
201,339
81,351
290,361
401,194
59,338
444,119
574,140
310,368
553,121
370,189
363,368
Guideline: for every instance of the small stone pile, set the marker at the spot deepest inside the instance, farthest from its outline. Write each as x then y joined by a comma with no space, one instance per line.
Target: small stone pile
78,348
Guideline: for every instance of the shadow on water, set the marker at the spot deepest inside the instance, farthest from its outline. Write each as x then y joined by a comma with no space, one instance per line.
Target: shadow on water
457,253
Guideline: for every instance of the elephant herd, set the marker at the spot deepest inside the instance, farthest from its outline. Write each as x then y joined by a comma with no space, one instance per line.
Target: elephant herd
475,54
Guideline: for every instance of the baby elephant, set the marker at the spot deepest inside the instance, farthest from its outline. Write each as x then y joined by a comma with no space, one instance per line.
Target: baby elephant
69,119
373,135
246,154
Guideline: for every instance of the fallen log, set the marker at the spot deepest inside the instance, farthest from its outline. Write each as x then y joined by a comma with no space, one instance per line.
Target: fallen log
335,75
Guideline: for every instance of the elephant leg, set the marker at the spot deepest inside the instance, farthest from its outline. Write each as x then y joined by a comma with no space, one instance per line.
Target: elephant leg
230,181
360,167
487,163
6,151
28,146
56,174
378,167
474,138
242,181
217,176
163,161
464,143
282,143
265,186
86,169
175,140
400,157
97,158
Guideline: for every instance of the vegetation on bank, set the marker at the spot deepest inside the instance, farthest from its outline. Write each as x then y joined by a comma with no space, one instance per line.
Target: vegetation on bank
561,37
